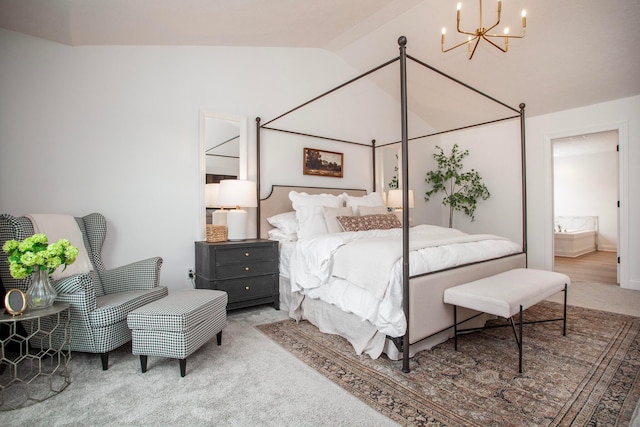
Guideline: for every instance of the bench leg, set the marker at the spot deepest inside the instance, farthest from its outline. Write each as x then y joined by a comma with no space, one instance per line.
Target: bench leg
104,358
564,320
520,343
219,337
183,367
518,337
455,327
143,363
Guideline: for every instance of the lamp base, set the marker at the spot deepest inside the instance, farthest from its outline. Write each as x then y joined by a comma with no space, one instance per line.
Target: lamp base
219,217
237,224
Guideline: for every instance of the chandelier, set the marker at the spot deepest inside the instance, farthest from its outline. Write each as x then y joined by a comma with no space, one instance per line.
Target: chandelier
473,38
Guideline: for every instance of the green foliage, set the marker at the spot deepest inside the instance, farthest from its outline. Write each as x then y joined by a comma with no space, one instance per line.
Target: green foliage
462,189
393,184
35,252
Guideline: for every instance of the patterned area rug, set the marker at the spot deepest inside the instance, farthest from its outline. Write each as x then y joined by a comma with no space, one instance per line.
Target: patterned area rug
589,377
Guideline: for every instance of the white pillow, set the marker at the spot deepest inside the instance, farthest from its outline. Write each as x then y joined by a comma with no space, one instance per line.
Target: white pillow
330,214
309,212
286,222
372,210
371,199
281,236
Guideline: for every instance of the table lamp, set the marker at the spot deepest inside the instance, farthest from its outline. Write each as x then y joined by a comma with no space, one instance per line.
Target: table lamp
394,200
241,194
211,193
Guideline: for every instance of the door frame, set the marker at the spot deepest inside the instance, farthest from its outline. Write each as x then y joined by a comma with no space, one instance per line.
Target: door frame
623,189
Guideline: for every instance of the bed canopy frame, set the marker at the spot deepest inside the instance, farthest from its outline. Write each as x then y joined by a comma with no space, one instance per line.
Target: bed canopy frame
404,165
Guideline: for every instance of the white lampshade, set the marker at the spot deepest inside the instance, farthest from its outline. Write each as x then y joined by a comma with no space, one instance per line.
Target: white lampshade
211,192
241,194
394,199
238,192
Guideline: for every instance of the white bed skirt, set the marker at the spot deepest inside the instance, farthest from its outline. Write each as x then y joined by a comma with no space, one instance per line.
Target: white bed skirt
362,334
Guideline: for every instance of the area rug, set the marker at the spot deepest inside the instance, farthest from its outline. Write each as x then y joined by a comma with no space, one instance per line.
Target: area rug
589,377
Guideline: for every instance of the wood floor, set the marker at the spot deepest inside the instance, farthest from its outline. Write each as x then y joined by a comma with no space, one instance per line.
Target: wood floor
598,266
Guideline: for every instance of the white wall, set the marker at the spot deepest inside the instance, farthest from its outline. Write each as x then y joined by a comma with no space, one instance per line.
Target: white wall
494,151
584,185
622,115
115,130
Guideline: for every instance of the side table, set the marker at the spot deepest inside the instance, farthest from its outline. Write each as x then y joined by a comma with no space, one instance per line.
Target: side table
34,363
246,270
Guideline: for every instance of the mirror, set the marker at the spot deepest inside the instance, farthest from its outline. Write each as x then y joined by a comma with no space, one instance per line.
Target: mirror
223,152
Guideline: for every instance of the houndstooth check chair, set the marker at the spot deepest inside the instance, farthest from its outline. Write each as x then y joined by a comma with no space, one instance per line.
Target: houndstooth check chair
101,299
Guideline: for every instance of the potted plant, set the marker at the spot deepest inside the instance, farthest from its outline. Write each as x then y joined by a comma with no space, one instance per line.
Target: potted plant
462,189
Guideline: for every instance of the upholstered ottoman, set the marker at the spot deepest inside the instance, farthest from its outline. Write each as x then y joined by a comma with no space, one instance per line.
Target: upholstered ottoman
177,325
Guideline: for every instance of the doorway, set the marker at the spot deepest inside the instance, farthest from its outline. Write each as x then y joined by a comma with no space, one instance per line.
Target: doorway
585,206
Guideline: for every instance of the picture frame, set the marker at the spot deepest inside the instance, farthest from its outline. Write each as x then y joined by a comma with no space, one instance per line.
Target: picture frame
323,163
15,302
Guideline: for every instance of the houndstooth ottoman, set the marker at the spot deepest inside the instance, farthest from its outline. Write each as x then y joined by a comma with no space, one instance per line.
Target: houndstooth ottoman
177,325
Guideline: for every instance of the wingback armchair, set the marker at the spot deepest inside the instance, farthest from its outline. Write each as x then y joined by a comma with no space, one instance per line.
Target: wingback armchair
101,299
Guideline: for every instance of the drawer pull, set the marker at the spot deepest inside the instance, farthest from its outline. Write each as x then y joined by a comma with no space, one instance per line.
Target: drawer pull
246,254
247,288
246,269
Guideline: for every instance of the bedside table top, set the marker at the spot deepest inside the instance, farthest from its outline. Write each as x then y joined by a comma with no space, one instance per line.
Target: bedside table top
240,242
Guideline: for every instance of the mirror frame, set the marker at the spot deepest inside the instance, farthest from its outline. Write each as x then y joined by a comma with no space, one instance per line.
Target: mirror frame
243,164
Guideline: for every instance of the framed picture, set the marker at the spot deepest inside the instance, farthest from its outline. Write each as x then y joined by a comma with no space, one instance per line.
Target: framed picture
324,163
15,302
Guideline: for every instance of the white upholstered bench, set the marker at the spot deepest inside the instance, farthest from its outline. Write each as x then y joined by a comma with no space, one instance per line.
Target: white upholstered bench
507,294
177,325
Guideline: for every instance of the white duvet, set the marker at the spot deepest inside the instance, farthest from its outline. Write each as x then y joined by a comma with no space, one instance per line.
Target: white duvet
361,272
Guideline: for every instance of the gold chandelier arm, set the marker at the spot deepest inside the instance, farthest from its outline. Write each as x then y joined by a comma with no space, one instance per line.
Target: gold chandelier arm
508,36
494,25
472,51
460,30
495,45
468,33
460,44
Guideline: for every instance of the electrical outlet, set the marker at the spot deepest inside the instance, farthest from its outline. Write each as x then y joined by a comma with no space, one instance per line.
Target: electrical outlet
191,273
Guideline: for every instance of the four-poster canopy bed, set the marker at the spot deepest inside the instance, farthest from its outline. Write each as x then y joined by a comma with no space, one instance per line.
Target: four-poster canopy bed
417,297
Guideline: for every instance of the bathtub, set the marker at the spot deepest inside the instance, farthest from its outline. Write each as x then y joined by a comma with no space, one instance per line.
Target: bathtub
573,243
575,235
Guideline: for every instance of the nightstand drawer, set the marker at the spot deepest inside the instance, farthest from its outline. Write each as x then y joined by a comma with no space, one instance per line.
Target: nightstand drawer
251,253
248,288
245,269
245,291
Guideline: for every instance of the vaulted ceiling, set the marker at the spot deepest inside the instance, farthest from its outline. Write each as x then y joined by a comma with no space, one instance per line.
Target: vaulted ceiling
575,53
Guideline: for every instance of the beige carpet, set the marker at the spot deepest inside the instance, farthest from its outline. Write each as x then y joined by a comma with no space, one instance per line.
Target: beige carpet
589,377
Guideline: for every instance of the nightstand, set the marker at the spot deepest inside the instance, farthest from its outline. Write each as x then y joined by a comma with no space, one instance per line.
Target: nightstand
247,270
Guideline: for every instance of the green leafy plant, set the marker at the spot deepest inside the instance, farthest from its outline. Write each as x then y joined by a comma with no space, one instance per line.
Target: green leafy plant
462,189
393,184
35,252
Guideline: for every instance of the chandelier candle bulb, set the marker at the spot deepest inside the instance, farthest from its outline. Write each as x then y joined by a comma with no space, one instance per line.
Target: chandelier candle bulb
524,19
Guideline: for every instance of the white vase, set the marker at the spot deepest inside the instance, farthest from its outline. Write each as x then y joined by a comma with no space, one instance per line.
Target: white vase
40,293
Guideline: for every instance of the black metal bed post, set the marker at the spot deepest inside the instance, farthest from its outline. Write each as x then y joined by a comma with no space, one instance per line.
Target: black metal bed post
402,42
373,159
258,176
523,156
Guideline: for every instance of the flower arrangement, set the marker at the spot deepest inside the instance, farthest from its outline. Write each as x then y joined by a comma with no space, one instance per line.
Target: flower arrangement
36,253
